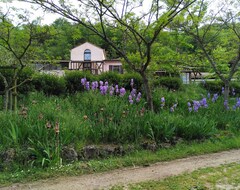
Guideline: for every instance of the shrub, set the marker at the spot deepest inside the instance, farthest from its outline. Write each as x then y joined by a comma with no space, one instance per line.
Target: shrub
216,86
25,75
73,80
126,78
213,86
111,77
173,83
49,84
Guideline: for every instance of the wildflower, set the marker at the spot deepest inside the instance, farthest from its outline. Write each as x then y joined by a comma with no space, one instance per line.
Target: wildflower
102,109
234,107
96,84
132,83
83,81
233,92
133,92
101,83
226,104
223,90
208,95
116,88
203,103
162,102
138,97
196,105
122,92
103,90
172,109
142,111
215,97
48,125
94,87
130,98
87,86
189,107
57,130
85,117
111,91
238,103
106,83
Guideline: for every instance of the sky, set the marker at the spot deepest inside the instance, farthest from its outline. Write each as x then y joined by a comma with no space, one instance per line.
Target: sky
49,18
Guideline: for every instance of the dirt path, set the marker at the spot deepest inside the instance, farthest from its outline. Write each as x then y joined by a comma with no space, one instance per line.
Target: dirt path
132,175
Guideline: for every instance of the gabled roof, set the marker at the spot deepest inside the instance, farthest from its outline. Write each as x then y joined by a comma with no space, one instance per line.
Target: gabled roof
89,44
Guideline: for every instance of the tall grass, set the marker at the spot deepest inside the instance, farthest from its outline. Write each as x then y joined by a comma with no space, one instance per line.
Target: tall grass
45,124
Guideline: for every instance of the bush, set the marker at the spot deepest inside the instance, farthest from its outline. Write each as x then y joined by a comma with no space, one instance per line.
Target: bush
126,79
49,84
73,80
216,86
173,83
213,86
111,77
25,75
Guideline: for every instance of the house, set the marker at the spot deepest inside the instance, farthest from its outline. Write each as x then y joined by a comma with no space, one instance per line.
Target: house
90,57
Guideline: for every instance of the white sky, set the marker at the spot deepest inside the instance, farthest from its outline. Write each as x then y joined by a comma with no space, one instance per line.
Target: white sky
48,18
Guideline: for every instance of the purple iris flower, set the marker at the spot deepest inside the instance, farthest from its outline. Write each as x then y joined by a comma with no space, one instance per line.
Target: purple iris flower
83,81
215,97
122,92
130,98
226,105
138,97
133,92
222,90
233,92
87,86
111,91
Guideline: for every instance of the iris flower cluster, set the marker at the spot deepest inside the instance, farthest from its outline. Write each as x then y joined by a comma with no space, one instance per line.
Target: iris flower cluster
112,90
196,105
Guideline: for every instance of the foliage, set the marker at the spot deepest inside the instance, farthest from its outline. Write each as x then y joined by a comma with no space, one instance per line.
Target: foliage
112,77
172,83
49,84
73,80
44,124
126,78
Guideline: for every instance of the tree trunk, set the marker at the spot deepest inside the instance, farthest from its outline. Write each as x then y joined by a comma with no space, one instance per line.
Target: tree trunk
14,94
226,90
148,92
6,100
10,100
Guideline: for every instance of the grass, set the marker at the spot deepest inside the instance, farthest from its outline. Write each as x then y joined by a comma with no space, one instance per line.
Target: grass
136,158
223,177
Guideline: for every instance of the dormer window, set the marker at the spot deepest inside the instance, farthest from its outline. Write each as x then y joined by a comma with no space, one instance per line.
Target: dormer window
87,55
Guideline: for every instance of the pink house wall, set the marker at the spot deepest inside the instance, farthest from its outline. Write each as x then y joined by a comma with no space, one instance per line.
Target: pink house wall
97,54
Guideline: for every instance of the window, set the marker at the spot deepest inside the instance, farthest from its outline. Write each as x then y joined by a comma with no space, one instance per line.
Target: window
116,68
86,66
87,55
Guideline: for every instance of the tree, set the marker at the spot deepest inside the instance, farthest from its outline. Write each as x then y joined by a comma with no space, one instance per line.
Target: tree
16,41
218,37
138,25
